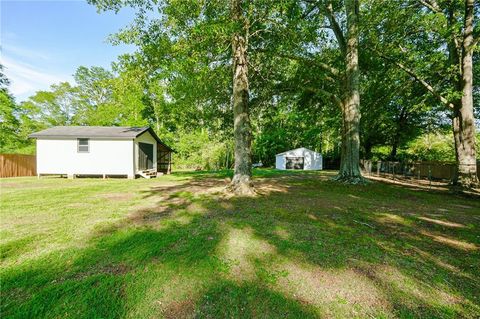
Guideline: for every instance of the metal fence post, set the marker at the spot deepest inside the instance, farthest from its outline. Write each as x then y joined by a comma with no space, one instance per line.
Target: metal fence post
430,176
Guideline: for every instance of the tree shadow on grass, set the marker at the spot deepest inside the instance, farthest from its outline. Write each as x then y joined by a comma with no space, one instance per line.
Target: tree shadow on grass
382,232
227,299
306,247
93,282
137,272
403,241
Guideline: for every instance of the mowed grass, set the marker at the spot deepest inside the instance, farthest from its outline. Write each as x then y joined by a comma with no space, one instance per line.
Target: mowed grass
179,247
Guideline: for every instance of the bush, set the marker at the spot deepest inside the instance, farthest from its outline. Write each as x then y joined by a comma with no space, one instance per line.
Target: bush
432,147
199,150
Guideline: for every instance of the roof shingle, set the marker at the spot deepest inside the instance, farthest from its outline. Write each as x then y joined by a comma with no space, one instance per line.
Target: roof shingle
91,131
112,132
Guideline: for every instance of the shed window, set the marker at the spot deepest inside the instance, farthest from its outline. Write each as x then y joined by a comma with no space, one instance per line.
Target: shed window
83,145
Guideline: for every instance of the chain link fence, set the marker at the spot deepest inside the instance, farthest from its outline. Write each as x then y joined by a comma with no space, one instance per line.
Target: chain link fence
439,172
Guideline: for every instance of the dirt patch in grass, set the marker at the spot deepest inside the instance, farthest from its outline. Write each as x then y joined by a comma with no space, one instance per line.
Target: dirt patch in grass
396,282
195,186
338,293
240,249
111,269
179,310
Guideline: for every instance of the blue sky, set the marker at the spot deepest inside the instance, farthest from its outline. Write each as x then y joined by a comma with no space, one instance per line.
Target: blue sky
43,42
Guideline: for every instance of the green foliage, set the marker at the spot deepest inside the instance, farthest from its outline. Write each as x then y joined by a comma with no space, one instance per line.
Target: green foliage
13,137
56,107
432,147
285,128
197,150
179,80
9,124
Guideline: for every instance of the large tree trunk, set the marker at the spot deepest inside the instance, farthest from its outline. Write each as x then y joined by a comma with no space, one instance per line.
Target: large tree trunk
242,179
350,157
463,117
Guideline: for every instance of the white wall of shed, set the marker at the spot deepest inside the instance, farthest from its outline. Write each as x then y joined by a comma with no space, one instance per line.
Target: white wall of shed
60,156
311,159
280,162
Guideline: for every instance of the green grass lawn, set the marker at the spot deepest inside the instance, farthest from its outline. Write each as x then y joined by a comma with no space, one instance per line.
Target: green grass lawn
174,247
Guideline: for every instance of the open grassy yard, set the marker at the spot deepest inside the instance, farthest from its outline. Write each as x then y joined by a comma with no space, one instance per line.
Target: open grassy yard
172,247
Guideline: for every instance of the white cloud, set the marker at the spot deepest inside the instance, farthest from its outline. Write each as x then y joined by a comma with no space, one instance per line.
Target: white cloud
13,50
27,79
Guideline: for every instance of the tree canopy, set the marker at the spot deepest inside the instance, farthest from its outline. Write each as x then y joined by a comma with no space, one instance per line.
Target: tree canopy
351,79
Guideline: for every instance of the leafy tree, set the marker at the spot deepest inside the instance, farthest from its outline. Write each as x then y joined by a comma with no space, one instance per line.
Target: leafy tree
94,96
9,124
338,59
206,41
395,109
434,43
56,107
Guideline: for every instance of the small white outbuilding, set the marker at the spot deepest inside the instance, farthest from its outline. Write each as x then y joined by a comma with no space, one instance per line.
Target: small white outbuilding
300,158
101,150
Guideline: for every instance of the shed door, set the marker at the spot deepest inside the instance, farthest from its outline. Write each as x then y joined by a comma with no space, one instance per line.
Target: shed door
294,163
145,156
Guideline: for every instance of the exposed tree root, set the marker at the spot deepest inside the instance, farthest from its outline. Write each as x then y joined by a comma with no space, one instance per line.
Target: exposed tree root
353,180
241,186
466,183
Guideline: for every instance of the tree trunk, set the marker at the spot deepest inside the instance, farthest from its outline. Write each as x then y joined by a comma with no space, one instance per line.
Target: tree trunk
368,149
350,157
463,117
242,179
400,128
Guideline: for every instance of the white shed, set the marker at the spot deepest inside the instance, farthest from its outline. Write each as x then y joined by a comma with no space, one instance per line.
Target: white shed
300,158
101,150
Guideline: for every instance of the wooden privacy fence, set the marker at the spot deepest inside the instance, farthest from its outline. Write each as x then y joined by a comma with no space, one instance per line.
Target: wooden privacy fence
12,165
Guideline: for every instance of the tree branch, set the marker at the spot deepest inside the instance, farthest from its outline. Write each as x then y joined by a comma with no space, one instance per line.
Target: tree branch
432,5
420,80
332,96
332,70
336,28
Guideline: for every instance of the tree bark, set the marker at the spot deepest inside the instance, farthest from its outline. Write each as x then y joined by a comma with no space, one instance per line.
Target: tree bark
463,117
350,156
242,179
368,149
401,125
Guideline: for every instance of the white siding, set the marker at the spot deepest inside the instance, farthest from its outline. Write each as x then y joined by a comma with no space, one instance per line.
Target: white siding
146,138
311,160
60,156
280,162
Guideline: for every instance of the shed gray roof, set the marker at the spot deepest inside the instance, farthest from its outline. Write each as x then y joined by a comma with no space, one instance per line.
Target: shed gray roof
113,132
296,149
91,131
